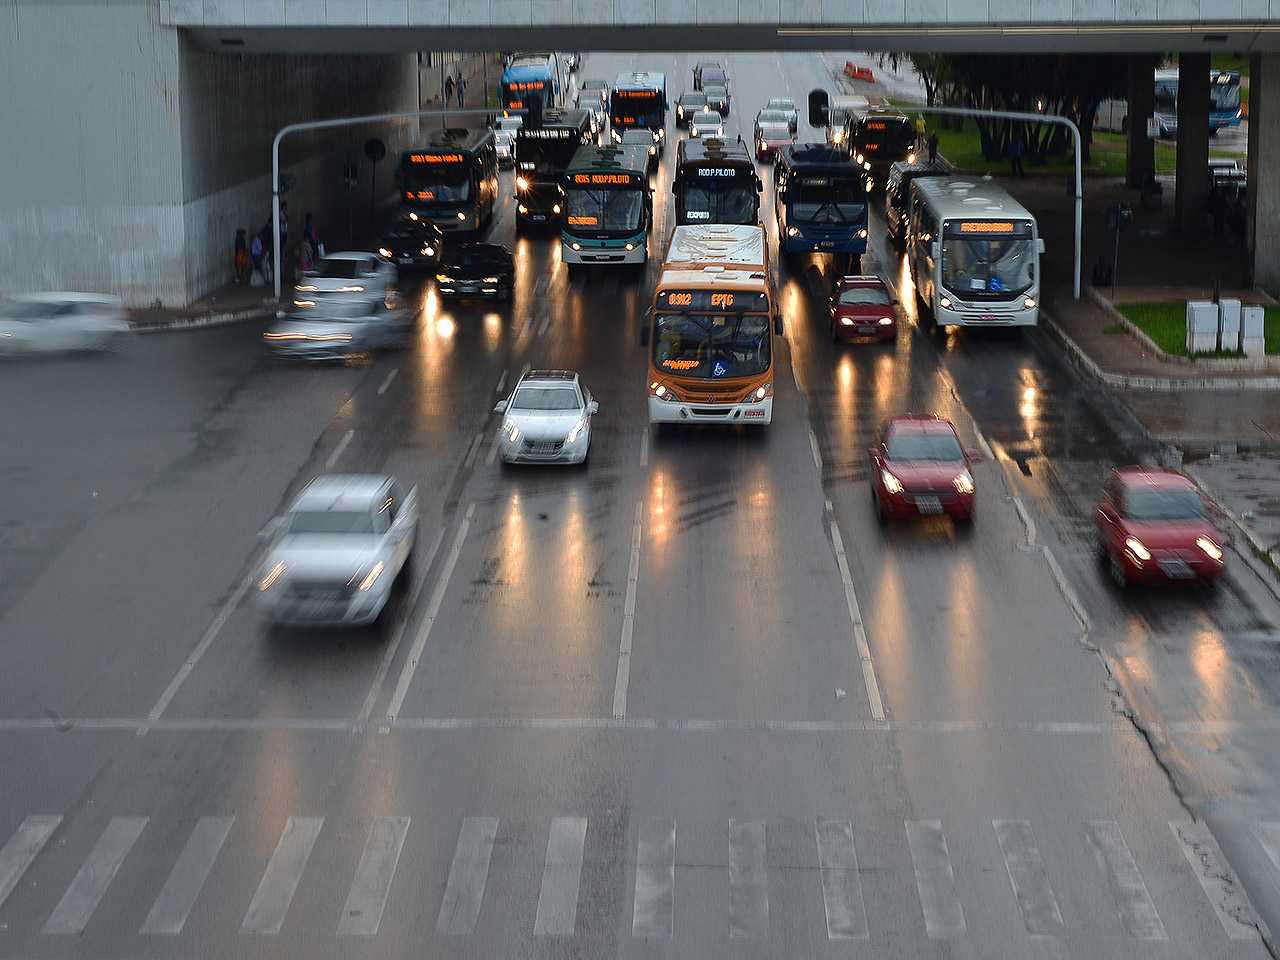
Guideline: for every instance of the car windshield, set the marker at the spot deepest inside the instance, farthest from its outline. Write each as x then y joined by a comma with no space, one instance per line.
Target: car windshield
712,347
707,119
1162,504
330,521
715,93
924,445
783,105
546,398
772,116
604,209
28,310
827,199
472,257
775,131
340,269
988,269
693,100
865,297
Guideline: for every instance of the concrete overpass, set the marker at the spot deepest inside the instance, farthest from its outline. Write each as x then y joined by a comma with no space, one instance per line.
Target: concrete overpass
137,132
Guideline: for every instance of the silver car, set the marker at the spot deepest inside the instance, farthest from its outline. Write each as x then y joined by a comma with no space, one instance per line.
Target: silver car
338,551
547,419
337,329
788,106
706,123
53,322
347,275
504,139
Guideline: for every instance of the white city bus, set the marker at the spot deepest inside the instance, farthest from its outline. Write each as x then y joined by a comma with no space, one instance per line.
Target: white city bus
974,254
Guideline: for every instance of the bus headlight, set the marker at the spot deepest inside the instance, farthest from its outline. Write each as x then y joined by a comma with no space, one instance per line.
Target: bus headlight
384,252
428,251
522,208
630,246
944,303
760,393
576,246
792,232
616,136
462,215
1028,302
863,233
522,183
859,157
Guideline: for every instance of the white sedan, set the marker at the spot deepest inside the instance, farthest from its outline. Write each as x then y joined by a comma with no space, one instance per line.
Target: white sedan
337,552
52,322
706,124
547,419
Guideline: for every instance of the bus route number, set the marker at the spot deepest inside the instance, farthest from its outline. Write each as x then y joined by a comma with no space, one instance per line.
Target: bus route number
680,299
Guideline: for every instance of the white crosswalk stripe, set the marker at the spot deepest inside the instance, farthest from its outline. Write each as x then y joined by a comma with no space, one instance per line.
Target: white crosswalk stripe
841,885
1133,902
280,881
561,876
374,876
748,880
1028,877
23,847
1220,885
169,912
73,911
653,911
464,892
935,880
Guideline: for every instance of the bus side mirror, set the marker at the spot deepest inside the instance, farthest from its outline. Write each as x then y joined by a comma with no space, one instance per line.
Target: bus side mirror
1040,245
777,325
819,108
933,250
759,185
644,333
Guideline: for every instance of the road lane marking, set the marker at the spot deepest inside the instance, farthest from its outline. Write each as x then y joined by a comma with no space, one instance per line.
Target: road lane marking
859,631
935,880
23,847
389,654
502,381
1219,882
813,446
270,903
387,382
1027,876
748,880
644,447
374,875
433,610
184,671
339,449
1267,833
174,904
1133,903
841,886
73,911
561,878
468,874
653,909
623,677
1027,522
469,460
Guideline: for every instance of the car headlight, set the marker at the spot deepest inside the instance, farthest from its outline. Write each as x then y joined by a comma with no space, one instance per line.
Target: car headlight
271,577
353,288
462,215
1028,302
428,251
761,144
555,208
383,251
413,217
911,158
866,165
616,135
694,131
304,303
859,157
522,183
792,232
679,111
1137,548
1211,549
523,208
576,432
891,483
661,133
886,321
512,432
490,280
371,577
442,277
306,287
944,303
871,184
964,482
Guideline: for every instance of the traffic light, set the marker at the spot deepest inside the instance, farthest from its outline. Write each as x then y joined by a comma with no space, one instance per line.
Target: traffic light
819,108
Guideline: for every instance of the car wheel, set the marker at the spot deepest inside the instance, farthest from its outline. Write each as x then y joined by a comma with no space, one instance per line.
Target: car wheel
1118,576
881,517
965,521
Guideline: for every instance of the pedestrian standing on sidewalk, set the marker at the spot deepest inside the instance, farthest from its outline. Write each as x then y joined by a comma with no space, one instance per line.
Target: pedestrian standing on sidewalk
1017,147
258,254
240,259
462,89
933,147
448,90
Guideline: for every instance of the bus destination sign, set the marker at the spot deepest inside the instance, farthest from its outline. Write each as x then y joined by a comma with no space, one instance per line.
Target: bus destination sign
988,228
714,301
603,179
433,158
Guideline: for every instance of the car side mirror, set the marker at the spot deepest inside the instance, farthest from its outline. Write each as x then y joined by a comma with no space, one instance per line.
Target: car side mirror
593,408
500,407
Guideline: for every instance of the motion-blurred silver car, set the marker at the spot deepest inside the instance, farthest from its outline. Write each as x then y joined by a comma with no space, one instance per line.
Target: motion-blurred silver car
337,329
351,274
337,552
504,139
787,106
55,322
547,419
706,124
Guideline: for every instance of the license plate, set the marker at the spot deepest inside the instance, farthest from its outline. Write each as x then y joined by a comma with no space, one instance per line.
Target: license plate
539,216
316,608
468,288
928,504
754,414
404,259
867,330
1176,569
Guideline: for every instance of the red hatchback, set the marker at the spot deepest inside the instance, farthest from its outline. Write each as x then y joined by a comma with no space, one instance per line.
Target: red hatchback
1152,528
862,311
918,468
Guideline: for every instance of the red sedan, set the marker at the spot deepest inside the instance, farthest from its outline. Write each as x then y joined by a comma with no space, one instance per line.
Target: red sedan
1152,528
771,138
918,468
862,311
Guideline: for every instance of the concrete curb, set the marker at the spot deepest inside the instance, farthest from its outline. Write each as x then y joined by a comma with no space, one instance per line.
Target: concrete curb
1153,384
181,324
1258,558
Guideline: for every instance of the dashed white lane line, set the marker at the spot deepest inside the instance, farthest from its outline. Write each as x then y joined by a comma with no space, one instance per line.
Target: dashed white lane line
502,382
433,611
644,447
386,384
493,448
472,450
623,677
339,449
813,445
859,631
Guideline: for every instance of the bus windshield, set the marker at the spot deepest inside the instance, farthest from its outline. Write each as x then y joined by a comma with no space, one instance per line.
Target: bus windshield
828,199
438,184
708,200
711,346
596,209
988,269
1224,93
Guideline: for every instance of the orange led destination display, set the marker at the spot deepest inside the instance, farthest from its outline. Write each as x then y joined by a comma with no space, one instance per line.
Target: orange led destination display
522,85
420,195
715,301
877,125
604,179
583,220
636,94
680,364
987,226
436,158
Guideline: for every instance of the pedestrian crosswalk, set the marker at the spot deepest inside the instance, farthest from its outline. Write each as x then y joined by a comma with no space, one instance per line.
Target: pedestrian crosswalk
653,864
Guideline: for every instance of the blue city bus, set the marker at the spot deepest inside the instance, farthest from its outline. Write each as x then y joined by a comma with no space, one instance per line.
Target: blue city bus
530,75
452,180
608,206
820,201
639,101
1224,101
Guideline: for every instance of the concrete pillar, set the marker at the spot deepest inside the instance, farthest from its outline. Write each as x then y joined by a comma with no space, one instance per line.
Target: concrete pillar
1264,170
1142,96
1191,199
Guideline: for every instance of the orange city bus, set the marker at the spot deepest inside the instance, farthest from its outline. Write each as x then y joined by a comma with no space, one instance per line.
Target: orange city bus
711,328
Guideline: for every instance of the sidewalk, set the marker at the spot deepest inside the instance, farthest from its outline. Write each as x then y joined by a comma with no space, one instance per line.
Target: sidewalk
229,304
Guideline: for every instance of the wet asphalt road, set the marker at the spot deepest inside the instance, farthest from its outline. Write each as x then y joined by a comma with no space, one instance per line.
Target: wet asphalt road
479,778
